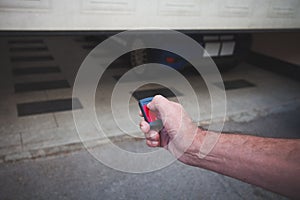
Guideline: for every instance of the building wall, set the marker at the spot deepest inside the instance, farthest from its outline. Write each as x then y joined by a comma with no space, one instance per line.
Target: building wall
282,45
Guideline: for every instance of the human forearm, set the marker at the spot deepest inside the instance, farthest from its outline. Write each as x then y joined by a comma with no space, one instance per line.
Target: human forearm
273,164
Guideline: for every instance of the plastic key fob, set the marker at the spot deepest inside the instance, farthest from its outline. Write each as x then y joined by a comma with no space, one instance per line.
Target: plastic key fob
149,116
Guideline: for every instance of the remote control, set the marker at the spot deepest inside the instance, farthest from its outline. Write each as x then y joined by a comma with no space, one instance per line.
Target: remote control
150,116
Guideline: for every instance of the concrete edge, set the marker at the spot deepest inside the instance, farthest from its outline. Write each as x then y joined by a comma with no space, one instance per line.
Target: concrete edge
240,117
62,149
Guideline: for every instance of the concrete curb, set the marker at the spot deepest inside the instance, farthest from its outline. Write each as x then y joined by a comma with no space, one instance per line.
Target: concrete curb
240,117
62,149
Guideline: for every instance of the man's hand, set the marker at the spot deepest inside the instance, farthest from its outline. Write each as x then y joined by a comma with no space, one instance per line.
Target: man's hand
273,164
178,132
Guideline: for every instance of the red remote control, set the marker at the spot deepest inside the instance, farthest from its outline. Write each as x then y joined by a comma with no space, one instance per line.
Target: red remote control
150,116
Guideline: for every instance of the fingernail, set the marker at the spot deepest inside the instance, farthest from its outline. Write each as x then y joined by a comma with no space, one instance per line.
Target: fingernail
152,135
149,105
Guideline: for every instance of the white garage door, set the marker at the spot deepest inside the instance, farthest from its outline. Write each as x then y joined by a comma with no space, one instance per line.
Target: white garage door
127,14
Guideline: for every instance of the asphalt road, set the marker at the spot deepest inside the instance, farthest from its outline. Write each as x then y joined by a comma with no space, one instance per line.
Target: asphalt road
79,176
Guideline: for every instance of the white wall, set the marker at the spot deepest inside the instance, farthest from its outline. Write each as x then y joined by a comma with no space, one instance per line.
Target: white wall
284,46
126,14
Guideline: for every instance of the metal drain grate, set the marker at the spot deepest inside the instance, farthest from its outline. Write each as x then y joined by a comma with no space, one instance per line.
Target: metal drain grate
42,107
236,84
31,58
35,70
45,85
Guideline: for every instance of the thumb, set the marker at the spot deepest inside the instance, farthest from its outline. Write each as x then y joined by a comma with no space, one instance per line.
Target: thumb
159,104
